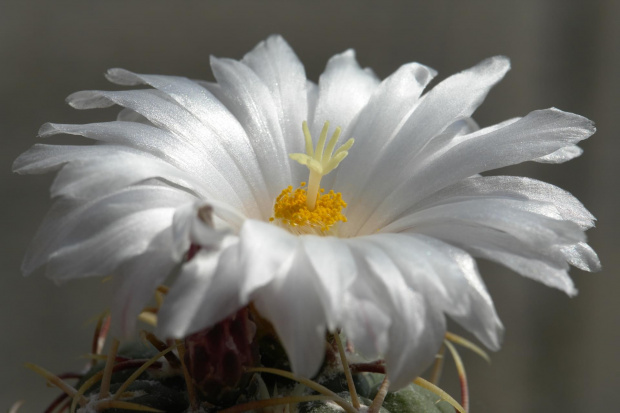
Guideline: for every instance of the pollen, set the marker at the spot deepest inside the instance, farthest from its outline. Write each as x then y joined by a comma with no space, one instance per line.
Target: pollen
291,209
308,209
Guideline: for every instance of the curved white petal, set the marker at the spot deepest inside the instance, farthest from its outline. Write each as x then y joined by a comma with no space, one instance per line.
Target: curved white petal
292,303
106,230
145,138
520,219
582,256
416,327
378,122
538,134
448,279
335,269
344,89
250,100
137,278
564,205
547,265
561,155
112,171
223,127
194,302
277,65
165,113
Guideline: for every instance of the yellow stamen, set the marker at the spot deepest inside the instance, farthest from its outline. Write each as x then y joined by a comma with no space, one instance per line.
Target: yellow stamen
308,208
291,209
322,160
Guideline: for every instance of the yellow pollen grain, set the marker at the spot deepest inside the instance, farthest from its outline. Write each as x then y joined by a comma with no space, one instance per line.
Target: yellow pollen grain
291,209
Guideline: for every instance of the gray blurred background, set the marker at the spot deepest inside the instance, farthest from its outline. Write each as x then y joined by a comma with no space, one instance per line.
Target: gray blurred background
559,354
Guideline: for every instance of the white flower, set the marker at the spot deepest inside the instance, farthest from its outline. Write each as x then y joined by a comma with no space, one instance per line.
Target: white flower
416,213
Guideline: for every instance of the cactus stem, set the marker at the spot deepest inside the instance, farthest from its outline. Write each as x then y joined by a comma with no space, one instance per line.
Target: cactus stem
277,401
118,404
309,383
141,370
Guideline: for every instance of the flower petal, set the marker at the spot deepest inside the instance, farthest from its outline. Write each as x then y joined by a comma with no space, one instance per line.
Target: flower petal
417,328
194,302
250,100
561,155
136,280
93,238
168,115
538,134
277,65
448,279
222,125
344,89
378,122
335,270
565,205
299,319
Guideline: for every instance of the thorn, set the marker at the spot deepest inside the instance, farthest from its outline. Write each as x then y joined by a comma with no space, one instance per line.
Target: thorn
442,394
380,397
438,366
460,368
463,342
347,372
191,392
104,391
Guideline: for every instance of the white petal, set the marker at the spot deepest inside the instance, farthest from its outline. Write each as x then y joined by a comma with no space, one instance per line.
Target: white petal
391,103
454,98
107,231
249,99
292,303
189,227
417,328
448,279
546,265
264,252
146,138
194,302
167,114
335,270
136,280
365,321
565,205
508,216
344,89
537,134
111,171
582,256
561,155
278,67
222,125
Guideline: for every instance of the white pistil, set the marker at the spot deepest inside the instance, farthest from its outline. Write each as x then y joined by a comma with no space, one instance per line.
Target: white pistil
322,160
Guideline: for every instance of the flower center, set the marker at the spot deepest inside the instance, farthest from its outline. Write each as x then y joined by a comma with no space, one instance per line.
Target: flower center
306,210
